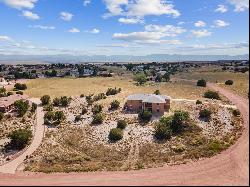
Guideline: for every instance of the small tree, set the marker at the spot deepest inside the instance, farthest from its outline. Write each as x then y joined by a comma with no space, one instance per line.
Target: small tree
229,82
21,107
121,124
20,138
140,78
114,105
157,92
97,119
19,92
179,120
202,83
19,86
145,116
45,99
115,134
212,95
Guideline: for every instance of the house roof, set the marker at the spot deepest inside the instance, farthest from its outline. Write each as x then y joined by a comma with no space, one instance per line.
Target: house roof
148,98
7,101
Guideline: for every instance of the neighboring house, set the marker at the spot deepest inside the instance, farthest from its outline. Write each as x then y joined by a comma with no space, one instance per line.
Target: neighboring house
7,103
3,82
74,73
157,104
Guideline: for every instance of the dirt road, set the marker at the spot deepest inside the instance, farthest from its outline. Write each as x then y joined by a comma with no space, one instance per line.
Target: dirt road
11,166
229,168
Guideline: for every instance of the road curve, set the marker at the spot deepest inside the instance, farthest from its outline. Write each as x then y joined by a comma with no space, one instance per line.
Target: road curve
11,166
228,168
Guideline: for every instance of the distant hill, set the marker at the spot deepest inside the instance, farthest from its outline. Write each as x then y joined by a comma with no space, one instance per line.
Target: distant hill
115,58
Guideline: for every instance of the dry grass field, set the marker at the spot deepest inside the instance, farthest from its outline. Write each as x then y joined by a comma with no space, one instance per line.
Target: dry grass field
75,87
241,80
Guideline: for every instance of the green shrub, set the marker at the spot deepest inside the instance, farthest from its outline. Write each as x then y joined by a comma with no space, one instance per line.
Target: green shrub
1,116
229,82
157,92
236,112
145,116
121,124
21,107
82,95
162,132
78,118
56,102
19,92
140,78
97,109
19,86
20,138
202,83
97,119
10,93
205,113
115,134
198,102
58,116
212,95
65,101
48,107
33,107
113,91
114,105
179,120
84,111
45,100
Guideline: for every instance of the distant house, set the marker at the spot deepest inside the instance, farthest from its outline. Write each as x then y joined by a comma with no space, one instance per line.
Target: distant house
157,104
3,82
7,103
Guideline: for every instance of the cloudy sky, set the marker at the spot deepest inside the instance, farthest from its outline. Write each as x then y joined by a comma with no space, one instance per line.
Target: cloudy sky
124,27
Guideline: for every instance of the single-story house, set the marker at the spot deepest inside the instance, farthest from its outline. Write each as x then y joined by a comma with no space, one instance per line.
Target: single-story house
157,104
7,103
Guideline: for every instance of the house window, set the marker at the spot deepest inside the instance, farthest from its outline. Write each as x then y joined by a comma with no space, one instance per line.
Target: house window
158,110
158,104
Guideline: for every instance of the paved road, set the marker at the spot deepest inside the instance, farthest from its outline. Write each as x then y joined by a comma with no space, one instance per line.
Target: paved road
11,167
228,168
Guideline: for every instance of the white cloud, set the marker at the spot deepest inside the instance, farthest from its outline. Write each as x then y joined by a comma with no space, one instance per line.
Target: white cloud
95,31
181,23
74,30
5,38
140,8
221,9
30,15
153,34
200,24
86,2
201,33
168,30
130,20
20,4
240,5
221,23
43,27
66,16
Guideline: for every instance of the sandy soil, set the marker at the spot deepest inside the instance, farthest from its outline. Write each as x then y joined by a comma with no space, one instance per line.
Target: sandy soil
229,168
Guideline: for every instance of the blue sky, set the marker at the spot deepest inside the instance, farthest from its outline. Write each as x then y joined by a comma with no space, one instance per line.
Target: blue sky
124,27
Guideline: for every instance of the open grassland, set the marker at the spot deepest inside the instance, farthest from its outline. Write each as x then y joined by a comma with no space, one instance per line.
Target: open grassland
75,87
241,80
